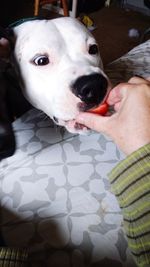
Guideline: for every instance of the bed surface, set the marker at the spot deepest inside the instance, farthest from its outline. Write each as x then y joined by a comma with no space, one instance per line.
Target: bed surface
55,194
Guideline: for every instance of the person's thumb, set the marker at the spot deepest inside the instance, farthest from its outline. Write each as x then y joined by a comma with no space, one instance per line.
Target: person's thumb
95,122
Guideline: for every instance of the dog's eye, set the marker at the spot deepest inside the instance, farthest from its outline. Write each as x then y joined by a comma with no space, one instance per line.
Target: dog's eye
41,60
93,49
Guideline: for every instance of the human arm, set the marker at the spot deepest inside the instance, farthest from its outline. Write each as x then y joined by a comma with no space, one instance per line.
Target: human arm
130,182
130,179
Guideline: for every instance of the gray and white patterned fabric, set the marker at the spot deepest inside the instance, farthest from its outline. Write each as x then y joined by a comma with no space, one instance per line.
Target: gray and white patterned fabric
54,192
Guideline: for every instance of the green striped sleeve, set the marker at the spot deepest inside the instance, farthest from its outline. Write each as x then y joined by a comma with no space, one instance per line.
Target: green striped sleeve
13,257
130,182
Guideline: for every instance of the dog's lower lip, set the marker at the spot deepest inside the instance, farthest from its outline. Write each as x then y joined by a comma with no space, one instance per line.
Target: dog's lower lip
79,126
71,124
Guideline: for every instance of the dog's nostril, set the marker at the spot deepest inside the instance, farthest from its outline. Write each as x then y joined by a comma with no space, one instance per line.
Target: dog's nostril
86,92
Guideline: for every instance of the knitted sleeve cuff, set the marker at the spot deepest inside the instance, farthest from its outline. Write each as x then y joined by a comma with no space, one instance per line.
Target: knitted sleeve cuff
130,179
13,257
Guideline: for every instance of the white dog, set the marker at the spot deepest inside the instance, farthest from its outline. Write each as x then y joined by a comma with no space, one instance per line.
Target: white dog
60,68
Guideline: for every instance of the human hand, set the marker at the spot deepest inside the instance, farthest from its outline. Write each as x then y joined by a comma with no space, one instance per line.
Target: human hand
129,125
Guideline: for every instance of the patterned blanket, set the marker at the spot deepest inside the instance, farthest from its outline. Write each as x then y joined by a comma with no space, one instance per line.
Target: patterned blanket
55,195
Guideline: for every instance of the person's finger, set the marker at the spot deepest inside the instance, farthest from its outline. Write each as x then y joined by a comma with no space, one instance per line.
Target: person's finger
94,122
138,80
117,93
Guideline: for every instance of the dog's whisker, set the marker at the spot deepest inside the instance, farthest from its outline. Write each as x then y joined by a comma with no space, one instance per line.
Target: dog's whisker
45,117
41,114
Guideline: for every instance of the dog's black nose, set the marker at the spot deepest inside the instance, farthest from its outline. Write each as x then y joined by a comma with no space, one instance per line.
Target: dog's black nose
91,89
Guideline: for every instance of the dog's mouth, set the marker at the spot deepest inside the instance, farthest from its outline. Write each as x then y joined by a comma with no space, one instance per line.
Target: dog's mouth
72,125
75,127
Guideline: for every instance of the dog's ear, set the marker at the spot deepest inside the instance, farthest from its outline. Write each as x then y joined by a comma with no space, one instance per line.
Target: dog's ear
4,49
6,43
7,138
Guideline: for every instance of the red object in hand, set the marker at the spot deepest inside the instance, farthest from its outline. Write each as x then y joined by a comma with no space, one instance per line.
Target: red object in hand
100,110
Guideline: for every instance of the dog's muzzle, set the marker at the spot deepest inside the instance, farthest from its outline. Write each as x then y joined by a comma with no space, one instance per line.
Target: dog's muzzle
91,89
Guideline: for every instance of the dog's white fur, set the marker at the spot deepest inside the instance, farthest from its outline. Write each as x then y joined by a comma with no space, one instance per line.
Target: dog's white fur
66,42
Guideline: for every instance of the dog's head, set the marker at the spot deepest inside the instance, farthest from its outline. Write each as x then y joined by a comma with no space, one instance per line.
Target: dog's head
60,68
